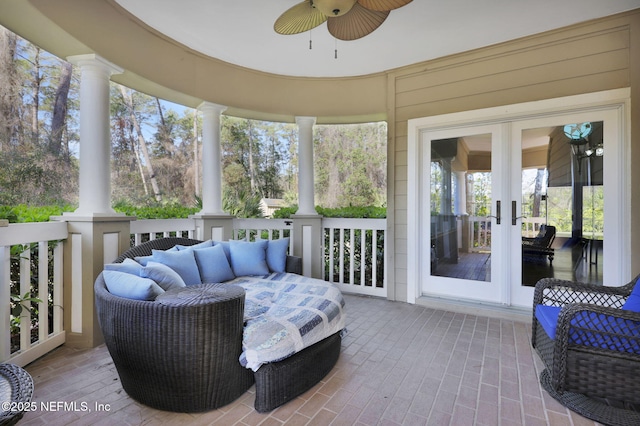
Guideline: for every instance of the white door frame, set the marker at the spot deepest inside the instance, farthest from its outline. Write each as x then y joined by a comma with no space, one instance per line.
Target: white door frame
615,103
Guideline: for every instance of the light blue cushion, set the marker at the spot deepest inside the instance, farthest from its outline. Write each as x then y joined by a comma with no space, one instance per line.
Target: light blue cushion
143,260
633,301
183,262
277,254
225,247
249,258
131,286
213,265
129,266
163,275
203,244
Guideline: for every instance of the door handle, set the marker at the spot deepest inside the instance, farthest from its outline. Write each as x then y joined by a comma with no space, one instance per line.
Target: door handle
498,215
514,218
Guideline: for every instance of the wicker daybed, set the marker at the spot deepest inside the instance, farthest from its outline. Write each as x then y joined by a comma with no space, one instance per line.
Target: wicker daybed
588,337
180,352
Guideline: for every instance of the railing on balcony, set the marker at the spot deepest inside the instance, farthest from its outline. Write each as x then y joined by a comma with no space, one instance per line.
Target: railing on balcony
150,229
265,229
354,255
353,249
35,250
31,260
480,231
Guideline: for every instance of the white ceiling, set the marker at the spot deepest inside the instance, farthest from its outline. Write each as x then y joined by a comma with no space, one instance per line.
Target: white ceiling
241,31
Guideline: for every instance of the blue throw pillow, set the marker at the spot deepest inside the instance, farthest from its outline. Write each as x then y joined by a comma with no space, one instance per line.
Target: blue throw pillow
203,244
129,266
143,260
633,301
225,247
131,286
183,262
163,275
213,265
277,254
249,258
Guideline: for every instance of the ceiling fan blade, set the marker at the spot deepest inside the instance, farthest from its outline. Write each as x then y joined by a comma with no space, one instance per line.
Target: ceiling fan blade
298,19
381,5
358,22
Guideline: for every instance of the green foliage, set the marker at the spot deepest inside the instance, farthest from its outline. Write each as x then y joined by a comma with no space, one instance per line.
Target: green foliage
155,210
372,212
23,213
241,204
20,303
350,164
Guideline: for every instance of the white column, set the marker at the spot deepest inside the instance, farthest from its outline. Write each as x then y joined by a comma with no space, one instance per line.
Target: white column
306,203
95,136
460,198
211,158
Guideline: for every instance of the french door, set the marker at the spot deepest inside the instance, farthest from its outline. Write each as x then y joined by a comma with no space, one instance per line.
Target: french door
502,203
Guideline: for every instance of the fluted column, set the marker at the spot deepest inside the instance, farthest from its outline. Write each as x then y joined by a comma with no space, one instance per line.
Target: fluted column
306,203
211,158
95,135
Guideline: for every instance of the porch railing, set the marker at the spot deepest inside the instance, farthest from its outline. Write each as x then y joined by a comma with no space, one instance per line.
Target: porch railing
354,255
266,229
150,229
480,231
353,258
36,252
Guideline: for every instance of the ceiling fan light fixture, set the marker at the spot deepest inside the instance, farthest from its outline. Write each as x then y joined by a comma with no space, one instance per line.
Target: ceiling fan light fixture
332,8
346,19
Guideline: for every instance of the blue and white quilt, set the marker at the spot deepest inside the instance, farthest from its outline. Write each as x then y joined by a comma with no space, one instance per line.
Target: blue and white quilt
285,313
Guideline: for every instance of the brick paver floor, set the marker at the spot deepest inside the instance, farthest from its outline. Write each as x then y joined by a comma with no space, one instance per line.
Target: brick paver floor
400,364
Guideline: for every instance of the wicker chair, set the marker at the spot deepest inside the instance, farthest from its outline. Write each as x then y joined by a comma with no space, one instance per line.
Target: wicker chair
179,352
592,363
540,245
173,358
16,388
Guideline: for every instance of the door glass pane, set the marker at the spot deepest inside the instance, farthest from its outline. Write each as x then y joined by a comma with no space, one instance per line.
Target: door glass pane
562,203
460,207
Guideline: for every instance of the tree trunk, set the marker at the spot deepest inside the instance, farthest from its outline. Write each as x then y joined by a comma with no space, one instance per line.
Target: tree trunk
9,95
35,107
60,109
537,194
128,100
196,160
252,173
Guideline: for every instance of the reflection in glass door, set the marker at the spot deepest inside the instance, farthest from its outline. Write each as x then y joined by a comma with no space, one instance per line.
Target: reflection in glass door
562,204
461,207
513,179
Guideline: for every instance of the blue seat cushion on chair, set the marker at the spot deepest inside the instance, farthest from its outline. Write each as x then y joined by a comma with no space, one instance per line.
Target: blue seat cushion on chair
592,329
633,301
605,331
548,317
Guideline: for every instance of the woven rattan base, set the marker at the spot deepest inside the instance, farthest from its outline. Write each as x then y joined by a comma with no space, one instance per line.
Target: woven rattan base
590,408
280,382
16,387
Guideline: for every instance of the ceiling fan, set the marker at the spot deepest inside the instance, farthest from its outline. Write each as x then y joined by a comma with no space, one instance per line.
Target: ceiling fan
346,19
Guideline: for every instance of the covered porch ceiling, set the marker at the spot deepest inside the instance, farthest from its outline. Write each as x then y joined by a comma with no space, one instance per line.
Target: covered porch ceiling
228,53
